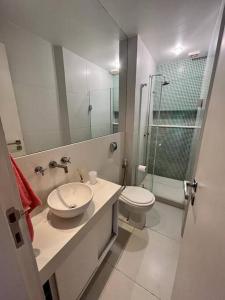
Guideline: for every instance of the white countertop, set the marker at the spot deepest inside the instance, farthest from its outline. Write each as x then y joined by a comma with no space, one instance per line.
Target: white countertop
53,236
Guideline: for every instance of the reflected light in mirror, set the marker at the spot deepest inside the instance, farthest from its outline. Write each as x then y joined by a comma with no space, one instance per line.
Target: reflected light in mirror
115,67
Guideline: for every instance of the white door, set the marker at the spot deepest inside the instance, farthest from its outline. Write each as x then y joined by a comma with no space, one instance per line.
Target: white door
8,108
201,267
19,278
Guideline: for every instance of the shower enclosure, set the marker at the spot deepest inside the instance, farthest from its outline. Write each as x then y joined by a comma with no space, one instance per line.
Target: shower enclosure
173,124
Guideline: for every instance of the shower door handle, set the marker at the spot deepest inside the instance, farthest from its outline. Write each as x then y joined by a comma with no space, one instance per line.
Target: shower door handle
190,188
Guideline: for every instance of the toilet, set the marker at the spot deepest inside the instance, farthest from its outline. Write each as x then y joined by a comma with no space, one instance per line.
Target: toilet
134,203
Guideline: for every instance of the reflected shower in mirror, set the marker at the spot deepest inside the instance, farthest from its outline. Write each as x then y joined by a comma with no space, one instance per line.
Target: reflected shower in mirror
59,73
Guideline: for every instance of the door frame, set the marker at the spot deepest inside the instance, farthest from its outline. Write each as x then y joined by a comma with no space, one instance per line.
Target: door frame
208,98
221,21
200,271
20,278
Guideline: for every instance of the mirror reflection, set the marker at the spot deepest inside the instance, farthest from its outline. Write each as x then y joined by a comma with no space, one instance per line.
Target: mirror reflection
59,77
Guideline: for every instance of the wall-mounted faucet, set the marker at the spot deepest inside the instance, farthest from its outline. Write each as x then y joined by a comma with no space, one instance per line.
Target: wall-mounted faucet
39,170
65,160
53,164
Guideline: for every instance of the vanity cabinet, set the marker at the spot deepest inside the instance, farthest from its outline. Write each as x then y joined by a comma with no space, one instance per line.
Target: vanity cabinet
74,274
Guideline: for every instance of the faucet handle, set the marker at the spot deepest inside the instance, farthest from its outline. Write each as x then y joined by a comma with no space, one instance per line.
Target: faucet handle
52,164
39,170
65,160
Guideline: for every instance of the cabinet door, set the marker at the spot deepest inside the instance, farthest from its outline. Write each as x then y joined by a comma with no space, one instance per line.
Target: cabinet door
74,273
104,231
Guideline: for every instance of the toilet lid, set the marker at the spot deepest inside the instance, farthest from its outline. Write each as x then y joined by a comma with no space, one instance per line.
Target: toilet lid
137,195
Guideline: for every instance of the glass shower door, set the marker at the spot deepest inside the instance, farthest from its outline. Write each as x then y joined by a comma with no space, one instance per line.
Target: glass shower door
171,139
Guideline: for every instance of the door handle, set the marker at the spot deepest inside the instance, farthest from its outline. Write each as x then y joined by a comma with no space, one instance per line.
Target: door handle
186,195
193,185
17,143
190,188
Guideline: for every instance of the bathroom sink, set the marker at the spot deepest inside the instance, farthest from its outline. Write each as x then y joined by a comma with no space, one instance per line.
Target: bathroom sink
70,200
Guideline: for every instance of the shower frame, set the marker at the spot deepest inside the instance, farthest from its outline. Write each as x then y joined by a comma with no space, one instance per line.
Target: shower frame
151,125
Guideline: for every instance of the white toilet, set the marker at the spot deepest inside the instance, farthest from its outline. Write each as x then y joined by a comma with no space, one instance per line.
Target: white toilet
134,203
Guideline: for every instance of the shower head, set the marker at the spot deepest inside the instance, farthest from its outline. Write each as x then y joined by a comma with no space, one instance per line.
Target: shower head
165,83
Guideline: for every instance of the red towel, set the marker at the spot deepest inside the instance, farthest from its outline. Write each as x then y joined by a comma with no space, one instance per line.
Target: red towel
28,198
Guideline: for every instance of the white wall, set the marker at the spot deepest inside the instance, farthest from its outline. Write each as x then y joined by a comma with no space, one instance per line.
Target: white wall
88,155
87,83
140,66
201,267
145,66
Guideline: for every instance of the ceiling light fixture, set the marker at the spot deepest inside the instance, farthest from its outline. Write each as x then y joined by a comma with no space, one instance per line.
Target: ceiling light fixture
178,50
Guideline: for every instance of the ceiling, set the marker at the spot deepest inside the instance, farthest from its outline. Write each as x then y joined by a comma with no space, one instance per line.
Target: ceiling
82,26
92,28
165,24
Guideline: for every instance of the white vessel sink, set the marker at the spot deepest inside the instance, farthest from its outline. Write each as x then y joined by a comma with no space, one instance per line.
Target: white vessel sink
70,200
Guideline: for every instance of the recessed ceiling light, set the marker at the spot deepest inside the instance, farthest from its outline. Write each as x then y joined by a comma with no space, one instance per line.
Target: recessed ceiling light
178,50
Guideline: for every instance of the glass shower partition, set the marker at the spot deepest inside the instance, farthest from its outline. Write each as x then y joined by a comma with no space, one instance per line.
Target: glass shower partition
172,127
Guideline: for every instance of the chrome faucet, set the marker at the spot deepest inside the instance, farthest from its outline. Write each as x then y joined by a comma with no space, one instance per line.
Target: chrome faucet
39,170
65,160
53,164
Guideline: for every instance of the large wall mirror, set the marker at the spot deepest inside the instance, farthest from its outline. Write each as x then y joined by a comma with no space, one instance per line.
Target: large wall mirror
59,73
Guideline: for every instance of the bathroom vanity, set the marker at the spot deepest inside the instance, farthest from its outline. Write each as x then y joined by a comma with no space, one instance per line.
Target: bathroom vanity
68,252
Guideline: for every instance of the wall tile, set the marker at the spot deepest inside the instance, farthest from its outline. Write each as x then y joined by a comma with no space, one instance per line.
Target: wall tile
179,104
185,77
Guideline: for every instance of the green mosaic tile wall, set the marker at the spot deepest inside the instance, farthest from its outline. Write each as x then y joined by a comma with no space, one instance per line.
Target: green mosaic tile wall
183,92
172,153
180,100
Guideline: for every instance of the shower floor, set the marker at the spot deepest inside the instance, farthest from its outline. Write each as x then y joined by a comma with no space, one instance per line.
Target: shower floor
166,190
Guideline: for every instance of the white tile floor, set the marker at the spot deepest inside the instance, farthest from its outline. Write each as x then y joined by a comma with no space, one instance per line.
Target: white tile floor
165,219
142,263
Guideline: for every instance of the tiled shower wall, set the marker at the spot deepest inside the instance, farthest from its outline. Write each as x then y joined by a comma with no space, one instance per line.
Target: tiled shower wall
179,104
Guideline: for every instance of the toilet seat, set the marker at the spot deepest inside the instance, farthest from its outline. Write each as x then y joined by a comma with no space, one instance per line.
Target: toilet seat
137,196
